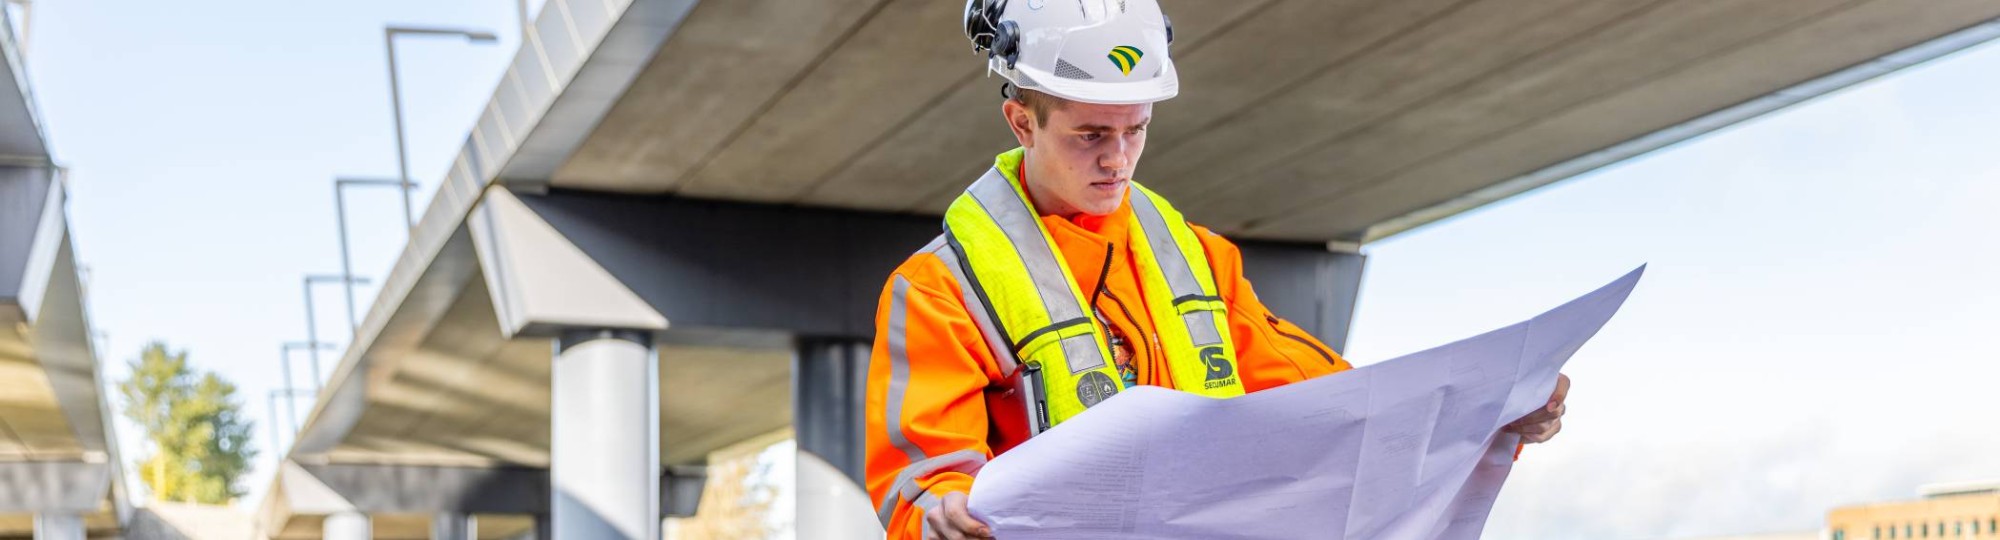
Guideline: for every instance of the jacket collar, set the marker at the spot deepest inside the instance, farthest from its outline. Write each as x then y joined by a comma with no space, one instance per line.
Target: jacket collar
1097,229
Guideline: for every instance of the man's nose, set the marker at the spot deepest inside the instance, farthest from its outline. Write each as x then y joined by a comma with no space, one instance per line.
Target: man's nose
1117,159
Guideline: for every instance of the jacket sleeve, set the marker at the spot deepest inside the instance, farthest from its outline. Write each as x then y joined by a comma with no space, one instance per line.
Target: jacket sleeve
1270,351
926,415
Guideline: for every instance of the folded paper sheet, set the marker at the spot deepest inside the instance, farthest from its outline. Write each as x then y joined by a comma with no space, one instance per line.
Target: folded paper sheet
1408,448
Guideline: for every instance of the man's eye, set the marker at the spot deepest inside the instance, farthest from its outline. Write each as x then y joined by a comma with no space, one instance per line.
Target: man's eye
1091,137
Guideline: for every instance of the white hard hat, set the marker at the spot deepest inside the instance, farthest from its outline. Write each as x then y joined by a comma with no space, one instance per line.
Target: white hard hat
1093,51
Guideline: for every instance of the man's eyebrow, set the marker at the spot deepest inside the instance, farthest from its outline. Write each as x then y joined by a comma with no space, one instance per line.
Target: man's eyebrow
1100,127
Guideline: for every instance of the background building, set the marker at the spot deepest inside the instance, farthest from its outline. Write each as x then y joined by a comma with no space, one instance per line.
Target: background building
1967,510
1811,535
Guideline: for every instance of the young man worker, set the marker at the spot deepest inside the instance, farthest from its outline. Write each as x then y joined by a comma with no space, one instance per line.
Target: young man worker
1059,281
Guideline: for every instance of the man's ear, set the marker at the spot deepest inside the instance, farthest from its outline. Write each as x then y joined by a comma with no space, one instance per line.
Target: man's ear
1021,120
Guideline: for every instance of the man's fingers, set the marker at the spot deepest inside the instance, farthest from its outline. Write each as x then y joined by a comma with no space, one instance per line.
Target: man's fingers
1542,425
937,528
1541,433
1539,416
1553,430
1554,409
961,518
1527,428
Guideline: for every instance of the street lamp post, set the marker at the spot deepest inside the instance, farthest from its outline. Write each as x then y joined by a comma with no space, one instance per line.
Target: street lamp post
396,95
312,329
285,359
340,218
521,11
276,436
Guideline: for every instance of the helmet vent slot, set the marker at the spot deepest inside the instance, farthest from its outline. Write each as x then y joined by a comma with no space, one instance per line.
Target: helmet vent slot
1067,70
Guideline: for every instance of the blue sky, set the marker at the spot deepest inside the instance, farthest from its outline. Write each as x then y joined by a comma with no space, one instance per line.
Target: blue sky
1816,327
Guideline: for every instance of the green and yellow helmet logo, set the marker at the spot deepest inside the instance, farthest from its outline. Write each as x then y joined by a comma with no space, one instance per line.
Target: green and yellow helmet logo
1126,57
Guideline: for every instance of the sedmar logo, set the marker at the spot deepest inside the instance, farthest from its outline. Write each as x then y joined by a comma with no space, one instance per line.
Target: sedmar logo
1220,372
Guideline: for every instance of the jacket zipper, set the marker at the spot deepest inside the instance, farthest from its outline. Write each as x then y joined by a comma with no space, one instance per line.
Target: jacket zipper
1273,319
1103,275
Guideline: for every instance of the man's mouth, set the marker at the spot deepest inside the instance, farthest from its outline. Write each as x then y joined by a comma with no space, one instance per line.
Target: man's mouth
1108,184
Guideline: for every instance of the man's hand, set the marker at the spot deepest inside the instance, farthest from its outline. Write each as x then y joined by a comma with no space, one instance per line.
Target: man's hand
1544,423
953,522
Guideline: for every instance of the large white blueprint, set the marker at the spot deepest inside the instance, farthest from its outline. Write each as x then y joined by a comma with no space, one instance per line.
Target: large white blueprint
1408,448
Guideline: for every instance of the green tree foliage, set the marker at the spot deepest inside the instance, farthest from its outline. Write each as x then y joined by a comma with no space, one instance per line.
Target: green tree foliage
200,439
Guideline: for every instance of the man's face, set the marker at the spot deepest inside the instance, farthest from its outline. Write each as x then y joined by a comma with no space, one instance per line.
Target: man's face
1081,159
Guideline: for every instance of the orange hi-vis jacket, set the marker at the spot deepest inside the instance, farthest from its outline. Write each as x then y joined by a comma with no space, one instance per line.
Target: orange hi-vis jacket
929,430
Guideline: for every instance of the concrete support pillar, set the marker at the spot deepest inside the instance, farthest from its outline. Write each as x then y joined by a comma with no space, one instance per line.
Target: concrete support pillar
59,526
453,526
680,489
1312,285
349,525
829,382
605,445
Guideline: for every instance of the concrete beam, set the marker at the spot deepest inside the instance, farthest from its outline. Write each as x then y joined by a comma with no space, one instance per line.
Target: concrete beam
737,265
425,286
1371,173
62,341
780,37
411,489
540,282
24,196
622,51
21,136
449,494
60,487
819,272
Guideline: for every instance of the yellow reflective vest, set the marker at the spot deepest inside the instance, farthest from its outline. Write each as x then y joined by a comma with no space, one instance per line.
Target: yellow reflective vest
1031,299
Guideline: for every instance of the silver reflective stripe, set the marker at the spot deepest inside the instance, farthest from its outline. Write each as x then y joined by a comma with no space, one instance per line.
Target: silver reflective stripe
1173,263
899,368
1166,252
1201,327
995,193
1082,347
1023,229
905,487
929,503
977,308
933,245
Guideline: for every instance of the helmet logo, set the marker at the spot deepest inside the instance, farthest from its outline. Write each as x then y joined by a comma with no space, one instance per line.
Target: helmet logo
1126,57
